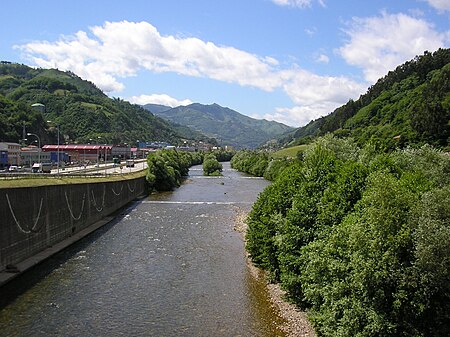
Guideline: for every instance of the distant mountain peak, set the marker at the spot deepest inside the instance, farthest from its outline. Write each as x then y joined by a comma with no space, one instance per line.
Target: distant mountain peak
228,126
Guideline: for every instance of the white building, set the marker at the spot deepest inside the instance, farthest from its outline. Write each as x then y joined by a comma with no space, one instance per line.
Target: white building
32,154
13,150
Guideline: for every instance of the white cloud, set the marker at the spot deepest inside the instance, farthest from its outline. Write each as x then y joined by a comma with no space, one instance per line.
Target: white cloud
300,115
306,88
323,58
293,3
314,96
442,5
297,3
121,49
161,99
311,31
379,44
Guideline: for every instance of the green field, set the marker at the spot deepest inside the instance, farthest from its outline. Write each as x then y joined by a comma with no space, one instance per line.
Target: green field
32,181
289,152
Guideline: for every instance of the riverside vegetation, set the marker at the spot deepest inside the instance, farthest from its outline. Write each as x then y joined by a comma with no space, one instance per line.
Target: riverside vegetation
211,166
166,168
358,238
355,226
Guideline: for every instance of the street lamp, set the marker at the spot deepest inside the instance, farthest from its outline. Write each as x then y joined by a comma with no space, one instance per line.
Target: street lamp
41,108
99,153
39,147
142,151
57,149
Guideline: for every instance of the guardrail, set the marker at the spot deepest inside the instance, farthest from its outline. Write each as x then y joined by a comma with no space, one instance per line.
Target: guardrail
12,176
89,171
76,174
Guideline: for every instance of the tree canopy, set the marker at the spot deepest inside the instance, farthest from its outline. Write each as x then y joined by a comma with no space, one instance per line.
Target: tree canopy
358,238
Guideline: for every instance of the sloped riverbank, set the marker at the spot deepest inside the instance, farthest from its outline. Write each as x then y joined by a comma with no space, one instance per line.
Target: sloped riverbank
294,321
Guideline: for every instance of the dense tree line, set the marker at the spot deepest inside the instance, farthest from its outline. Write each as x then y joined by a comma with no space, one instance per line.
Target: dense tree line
223,155
359,238
167,167
211,166
258,163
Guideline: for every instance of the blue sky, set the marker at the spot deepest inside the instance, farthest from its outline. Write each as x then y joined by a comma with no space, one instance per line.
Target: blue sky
286,60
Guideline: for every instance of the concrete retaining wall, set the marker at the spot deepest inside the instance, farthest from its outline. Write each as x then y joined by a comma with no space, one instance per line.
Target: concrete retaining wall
33,219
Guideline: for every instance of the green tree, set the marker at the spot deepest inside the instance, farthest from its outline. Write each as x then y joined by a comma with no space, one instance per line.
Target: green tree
166,168
264,218
211,166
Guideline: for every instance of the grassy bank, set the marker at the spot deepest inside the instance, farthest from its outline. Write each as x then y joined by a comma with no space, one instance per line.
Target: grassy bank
32,181
289,152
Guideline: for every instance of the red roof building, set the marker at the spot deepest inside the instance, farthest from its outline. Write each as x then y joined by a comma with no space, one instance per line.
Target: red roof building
82,152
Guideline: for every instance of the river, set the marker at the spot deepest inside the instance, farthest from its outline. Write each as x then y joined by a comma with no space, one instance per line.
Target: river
169,265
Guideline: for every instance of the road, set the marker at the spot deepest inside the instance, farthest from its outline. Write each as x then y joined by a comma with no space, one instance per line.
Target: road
108,168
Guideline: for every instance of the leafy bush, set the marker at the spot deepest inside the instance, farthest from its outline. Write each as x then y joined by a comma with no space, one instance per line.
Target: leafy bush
275,167
211,166
167,167
252,162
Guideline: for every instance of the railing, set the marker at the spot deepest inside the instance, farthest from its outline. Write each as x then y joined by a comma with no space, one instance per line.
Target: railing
88,172
12,176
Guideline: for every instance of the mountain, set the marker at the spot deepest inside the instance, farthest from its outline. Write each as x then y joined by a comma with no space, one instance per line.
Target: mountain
228,126
82,111
410,105
156,108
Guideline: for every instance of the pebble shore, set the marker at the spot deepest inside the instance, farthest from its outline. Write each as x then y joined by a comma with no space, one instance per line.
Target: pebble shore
296,323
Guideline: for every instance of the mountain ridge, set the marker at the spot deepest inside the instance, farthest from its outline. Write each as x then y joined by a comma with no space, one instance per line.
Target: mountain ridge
226,125
82,111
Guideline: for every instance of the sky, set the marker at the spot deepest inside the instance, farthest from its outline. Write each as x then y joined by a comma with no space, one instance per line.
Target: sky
291,61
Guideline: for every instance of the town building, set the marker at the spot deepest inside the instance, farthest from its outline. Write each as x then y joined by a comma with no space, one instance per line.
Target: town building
10,154
80,153
121,151
32,154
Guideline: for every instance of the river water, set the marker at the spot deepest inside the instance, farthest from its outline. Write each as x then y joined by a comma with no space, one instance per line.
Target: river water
169,265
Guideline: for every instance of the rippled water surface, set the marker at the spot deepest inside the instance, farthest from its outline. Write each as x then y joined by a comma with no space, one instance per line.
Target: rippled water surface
170,265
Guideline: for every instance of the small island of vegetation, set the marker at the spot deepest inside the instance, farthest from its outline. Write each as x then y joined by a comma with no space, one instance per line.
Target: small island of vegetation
166,168
211,166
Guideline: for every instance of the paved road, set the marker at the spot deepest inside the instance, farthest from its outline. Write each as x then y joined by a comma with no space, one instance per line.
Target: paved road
108,168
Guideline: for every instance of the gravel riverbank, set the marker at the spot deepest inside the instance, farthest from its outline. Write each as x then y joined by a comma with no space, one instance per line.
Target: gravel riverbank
296,323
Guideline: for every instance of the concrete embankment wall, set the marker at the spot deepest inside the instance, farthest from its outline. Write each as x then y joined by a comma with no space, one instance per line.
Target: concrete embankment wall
33,219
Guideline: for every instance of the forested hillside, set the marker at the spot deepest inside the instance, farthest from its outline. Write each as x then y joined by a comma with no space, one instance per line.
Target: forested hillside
229,127
410,105
84,112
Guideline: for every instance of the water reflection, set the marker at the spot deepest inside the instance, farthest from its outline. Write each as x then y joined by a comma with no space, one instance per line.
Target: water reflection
171,265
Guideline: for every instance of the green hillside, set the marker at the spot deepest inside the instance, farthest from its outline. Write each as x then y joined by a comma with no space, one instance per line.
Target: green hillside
84,112
289,152
156,108
226,125
410,105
